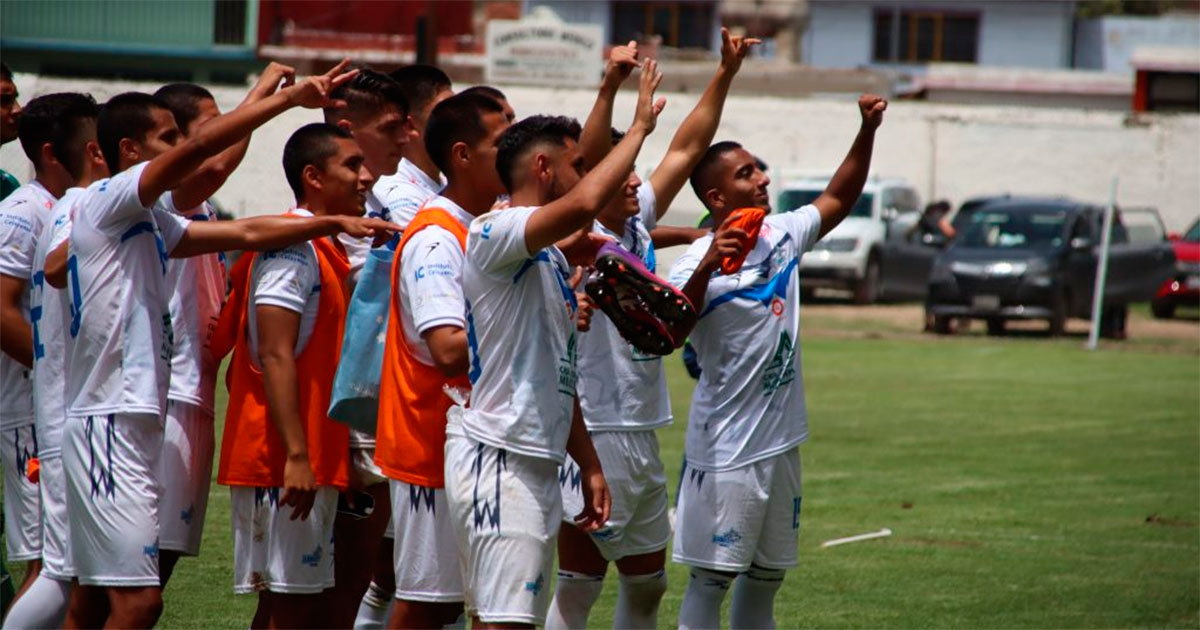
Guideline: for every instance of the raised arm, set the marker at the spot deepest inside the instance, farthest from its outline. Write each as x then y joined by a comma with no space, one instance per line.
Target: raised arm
273,232
558,219
840,196
696,132
211,175
595,141
168,170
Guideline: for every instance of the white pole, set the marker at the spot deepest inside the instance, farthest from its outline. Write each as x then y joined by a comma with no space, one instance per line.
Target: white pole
1102,268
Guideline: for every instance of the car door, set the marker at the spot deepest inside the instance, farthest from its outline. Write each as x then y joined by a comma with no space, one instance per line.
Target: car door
1135,269
1080,262
908,251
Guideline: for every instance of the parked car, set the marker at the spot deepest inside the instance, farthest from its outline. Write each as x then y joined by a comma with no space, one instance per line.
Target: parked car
1031,258
1184,287
850,257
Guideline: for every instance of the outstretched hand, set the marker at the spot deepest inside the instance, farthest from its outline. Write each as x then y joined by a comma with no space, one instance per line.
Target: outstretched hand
734,49
647,108
621,62
872,107
362,227
269,81
313,92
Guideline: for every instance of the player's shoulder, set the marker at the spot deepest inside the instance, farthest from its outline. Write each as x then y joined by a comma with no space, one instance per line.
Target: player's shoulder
298,255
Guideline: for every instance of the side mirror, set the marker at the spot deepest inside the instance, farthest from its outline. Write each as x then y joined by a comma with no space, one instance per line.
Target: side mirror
1081,243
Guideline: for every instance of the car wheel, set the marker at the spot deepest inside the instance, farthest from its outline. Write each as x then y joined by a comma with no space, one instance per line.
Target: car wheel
867,289
940,324
1162,309
995,326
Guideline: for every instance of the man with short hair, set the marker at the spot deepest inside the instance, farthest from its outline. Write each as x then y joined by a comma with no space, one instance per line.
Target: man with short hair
738,518
284,321
496,95
416,178
622,391
426,351
10,113
504,449
118,365
66,123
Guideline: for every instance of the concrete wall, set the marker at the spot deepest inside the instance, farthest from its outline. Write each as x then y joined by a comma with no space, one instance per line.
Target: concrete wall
1108,43
840,33
946,151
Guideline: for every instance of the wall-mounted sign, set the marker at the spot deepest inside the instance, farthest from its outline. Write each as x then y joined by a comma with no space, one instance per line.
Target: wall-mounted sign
544,53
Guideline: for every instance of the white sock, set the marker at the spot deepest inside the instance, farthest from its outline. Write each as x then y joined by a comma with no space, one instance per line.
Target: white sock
44,605
637,600
701,607
374,609
753,604
574,597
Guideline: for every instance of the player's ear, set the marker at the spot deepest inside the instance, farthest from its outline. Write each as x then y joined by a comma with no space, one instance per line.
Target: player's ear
312,177
46,155
129,150
542,167
460,153
714,199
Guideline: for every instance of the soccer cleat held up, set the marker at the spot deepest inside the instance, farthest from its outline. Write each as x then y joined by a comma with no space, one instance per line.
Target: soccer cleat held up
641,305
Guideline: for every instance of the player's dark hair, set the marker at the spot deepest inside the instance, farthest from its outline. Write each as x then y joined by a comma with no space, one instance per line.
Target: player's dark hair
703,173
5,73
487,91
365,94
60,120
457,119
420,84
128,115
311,144
529,134
183,99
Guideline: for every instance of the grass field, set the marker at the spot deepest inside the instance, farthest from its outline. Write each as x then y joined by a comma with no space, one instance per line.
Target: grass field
1028,484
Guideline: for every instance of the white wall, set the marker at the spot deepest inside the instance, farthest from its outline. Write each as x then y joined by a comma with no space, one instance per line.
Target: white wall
950,151
1108,43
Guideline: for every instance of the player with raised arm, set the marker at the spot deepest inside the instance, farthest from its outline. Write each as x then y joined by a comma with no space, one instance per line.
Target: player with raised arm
122,334
738,518
623,392
426,350
504,448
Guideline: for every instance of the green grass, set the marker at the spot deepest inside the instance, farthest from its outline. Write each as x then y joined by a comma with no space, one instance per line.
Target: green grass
1018,477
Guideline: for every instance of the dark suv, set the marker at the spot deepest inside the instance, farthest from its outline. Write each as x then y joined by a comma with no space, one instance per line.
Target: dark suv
1030,258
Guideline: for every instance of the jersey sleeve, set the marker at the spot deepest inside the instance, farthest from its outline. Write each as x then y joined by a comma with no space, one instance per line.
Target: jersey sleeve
58,231
803,224
431,266
18,238
496,241
118,199
171,225
286,277
647,206
686,264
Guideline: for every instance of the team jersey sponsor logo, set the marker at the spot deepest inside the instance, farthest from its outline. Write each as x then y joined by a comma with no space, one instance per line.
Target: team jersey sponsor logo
312,559
567,375
728,538
782,368
535,586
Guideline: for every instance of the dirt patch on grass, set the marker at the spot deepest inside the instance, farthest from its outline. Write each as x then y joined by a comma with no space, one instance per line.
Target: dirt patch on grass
1155,519
938,542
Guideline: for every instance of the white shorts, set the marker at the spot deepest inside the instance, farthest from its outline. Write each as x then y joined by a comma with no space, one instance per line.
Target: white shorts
363,460
633,469
728,520
425,552
22,499
273,553
111,463
56,532
506,510
185,472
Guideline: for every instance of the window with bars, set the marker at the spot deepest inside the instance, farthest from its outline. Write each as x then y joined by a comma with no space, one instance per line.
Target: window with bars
682,24
913,36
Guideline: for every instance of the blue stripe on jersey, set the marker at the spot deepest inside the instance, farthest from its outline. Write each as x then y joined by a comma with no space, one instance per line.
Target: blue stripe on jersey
529,262
765,292
147,227
472,346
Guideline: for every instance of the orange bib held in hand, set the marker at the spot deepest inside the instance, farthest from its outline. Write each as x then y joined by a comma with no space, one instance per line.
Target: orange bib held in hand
252,452
410,438
750,220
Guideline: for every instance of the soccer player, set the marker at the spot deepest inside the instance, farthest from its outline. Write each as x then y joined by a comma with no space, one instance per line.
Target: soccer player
623,392
496,95
197,286
416,178
64,125
426,350
280,448
376,115
118,364
738,518
504,449
10,113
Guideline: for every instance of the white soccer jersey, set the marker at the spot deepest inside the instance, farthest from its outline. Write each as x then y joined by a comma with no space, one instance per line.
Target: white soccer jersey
521,335
358,248
404,192
21,217
123,339
749,403
431,291
51,313
197,293
621,388
289,278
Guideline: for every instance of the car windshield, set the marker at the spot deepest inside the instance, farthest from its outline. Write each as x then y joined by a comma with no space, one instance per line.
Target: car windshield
1014,228
1193,233
792,199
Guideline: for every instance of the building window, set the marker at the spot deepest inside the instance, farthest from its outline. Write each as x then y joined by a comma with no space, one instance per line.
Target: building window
681,24
911,36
